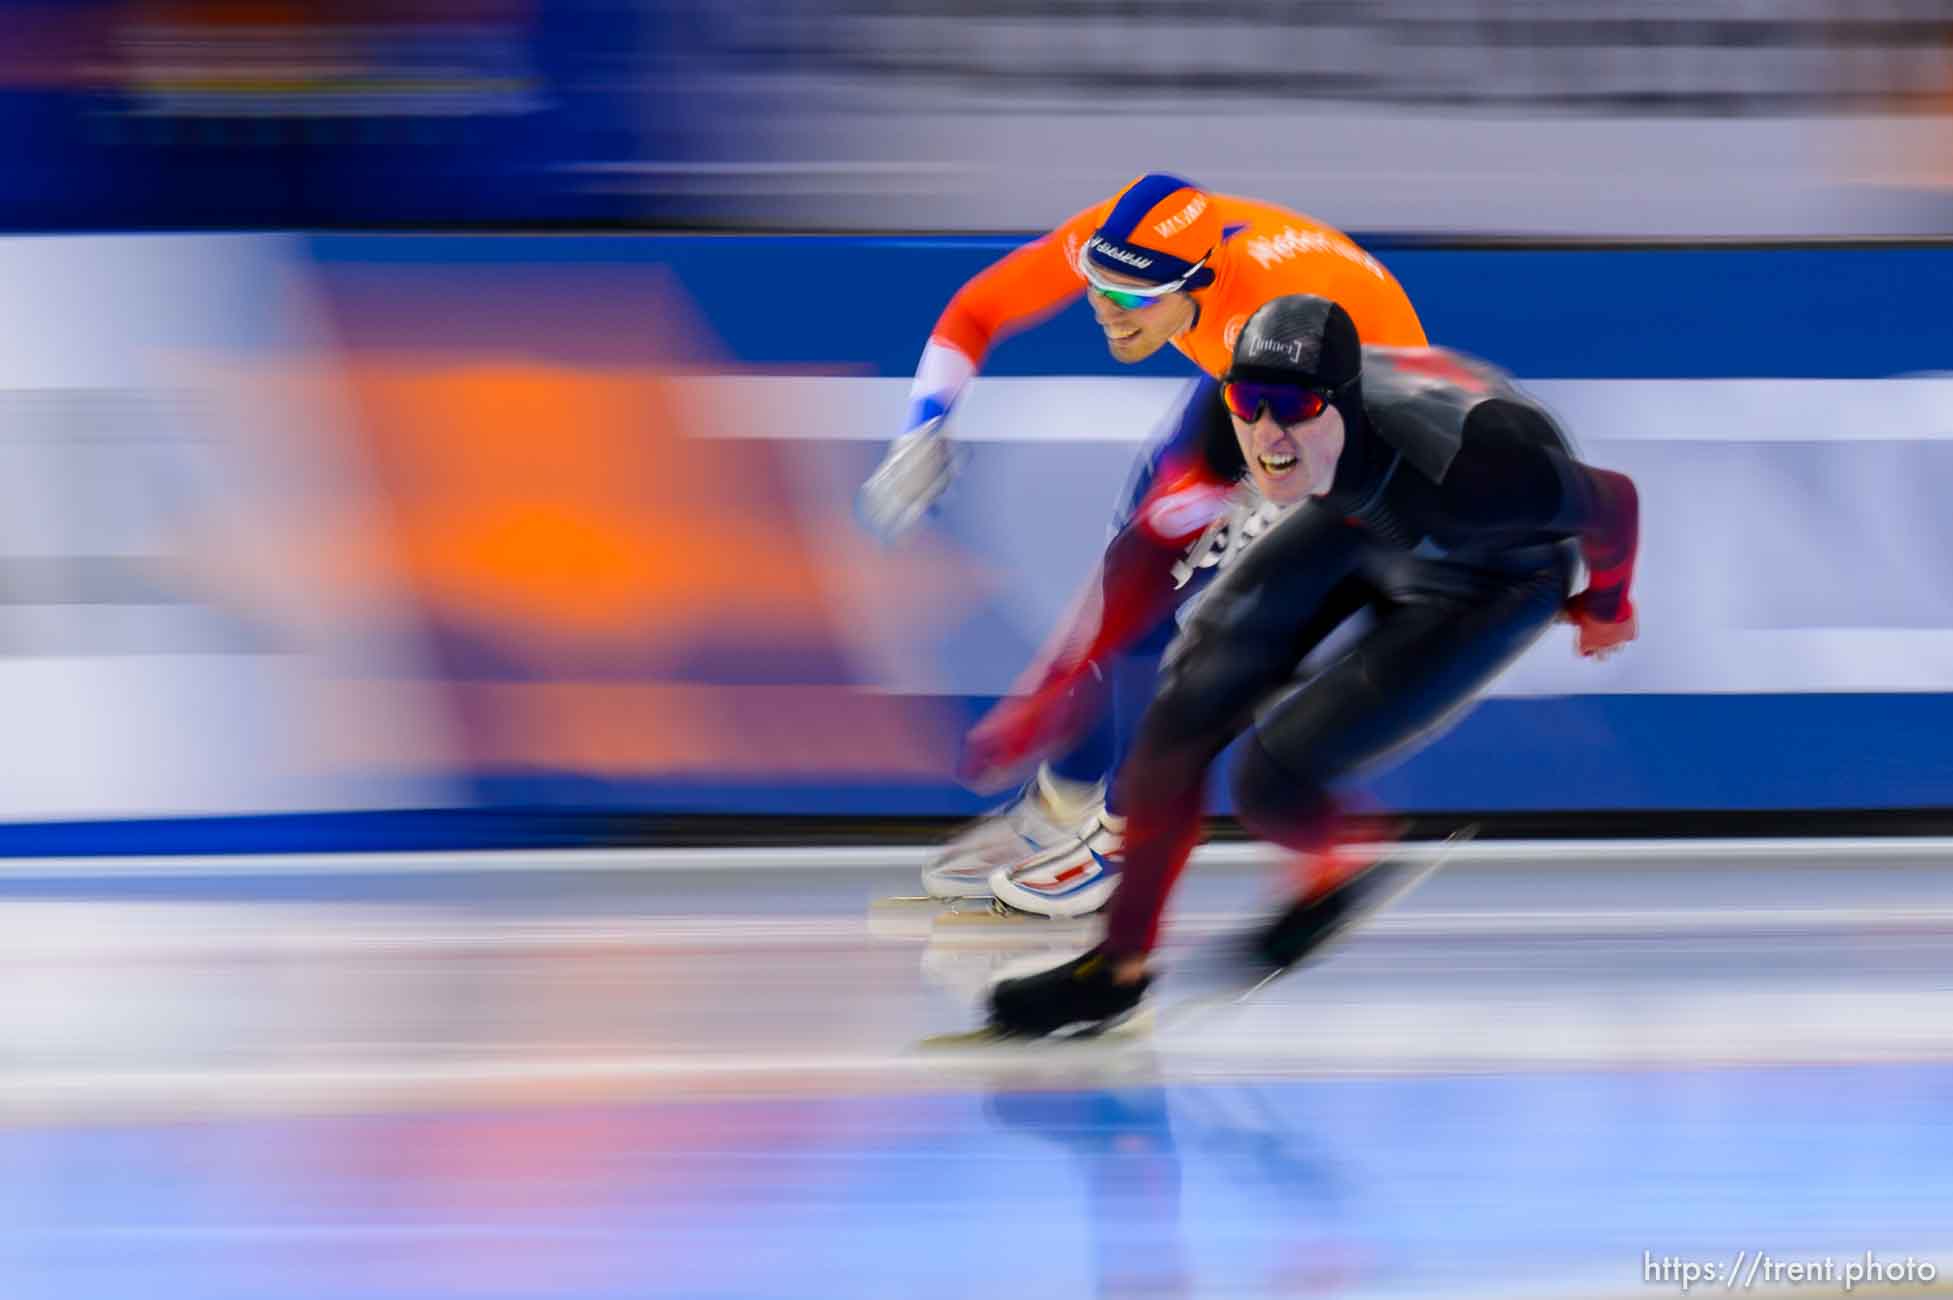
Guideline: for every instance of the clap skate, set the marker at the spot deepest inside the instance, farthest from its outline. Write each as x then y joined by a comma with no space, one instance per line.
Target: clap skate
1049,817
1305,930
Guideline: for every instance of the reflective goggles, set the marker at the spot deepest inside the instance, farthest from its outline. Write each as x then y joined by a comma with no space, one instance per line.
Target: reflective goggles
1288,403
1127,297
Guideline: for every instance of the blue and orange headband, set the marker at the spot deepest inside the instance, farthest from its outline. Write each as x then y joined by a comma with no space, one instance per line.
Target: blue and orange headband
1161,229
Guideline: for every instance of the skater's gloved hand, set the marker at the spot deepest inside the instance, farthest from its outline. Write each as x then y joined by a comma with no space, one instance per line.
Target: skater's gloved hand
1603,622
1019,731
916,472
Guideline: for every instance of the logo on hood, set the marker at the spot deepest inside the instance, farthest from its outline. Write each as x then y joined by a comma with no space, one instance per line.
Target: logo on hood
1185,217
1118,254
1290,350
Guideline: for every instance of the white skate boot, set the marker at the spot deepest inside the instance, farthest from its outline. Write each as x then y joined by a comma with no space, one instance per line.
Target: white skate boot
1074,879
1045,815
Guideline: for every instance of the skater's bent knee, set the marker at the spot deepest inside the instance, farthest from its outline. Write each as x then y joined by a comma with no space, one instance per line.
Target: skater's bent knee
1272,801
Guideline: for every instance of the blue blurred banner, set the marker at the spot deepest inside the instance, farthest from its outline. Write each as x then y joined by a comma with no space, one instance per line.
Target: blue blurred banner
1733,120
147,114
517,526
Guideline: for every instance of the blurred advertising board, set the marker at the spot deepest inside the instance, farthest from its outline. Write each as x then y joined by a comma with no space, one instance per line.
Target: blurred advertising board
384,523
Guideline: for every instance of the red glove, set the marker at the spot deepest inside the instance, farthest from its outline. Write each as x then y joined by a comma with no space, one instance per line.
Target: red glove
1136,592
1020,730
1597,637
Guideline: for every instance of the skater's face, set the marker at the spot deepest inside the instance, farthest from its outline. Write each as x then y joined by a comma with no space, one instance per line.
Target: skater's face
1136,332
1290,462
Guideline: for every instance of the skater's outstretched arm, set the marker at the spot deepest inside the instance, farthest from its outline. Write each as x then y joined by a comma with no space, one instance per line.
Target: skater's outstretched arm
1011,294
1137,590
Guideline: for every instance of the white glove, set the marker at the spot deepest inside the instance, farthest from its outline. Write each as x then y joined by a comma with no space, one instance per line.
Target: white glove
915,472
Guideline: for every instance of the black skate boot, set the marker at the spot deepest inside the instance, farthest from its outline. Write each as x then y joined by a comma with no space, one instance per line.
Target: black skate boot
1077,999
1308,924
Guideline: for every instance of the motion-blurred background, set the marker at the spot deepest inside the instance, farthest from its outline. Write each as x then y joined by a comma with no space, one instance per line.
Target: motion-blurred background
1596,117
434,424
454,407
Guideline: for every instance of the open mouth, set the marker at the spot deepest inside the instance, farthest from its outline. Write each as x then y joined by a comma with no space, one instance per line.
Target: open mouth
1121,336
1276,464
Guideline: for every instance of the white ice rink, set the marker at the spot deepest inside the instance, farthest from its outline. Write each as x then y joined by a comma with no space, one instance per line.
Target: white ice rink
698,1074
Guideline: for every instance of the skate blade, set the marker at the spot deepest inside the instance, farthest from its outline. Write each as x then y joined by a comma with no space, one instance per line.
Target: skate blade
985,1037
1412,874
1138,1023
999,913
1202,1006
1416,874
912,916
1035,935
971,921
